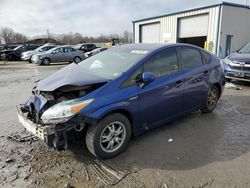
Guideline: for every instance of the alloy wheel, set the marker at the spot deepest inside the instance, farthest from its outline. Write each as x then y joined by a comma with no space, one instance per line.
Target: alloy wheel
113,137
212,98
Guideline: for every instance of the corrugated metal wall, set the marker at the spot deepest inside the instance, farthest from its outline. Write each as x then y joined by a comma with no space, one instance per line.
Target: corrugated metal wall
168,26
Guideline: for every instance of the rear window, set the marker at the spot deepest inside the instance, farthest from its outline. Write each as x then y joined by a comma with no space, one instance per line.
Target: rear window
206,57
191,57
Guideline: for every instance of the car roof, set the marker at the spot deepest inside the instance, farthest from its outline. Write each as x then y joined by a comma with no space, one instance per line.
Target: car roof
62,46
151,47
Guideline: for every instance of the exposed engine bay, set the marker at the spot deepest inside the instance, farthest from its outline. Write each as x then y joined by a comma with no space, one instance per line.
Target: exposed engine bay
43,100
61,94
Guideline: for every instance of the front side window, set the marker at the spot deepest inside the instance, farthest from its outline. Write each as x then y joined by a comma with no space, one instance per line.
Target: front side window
191,57
133,78
163,63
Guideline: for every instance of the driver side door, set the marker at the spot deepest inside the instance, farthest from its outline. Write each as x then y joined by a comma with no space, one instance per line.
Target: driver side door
162,99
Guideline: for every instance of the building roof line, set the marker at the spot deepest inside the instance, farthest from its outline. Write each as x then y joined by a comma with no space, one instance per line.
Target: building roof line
194,9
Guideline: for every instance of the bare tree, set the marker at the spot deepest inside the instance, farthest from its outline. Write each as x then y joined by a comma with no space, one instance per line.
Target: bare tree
8,35
19,38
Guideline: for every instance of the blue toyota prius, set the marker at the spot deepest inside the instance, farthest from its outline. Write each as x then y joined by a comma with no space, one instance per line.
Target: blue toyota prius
121,92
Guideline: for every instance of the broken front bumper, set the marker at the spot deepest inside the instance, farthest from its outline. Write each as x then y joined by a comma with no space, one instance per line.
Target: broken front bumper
43,132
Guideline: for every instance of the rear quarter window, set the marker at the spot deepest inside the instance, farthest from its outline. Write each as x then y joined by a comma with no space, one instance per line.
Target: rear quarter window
191,57
206,57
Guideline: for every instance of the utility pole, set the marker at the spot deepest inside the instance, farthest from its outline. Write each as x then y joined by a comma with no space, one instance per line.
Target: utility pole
246,2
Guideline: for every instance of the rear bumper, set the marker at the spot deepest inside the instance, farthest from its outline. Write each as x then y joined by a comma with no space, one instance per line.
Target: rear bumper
43,132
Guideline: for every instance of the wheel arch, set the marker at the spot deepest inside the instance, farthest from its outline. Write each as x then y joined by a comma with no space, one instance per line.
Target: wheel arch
124,112
218,86
46,58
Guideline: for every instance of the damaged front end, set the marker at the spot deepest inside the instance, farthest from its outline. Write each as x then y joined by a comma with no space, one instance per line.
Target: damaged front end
51,114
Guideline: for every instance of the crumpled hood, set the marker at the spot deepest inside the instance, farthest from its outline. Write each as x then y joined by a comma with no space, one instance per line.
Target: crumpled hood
73,75
239,57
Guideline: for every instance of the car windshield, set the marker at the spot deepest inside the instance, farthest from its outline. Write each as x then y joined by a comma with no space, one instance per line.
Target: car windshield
77,46
113,62
39,48
245,49
17,48
52,49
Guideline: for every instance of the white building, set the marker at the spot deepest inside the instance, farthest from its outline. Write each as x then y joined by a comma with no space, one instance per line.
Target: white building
220,28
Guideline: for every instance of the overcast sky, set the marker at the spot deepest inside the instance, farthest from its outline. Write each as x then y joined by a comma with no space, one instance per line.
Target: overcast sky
88,17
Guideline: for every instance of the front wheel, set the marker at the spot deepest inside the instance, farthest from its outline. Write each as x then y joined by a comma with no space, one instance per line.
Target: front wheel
212,100
46,61
109,137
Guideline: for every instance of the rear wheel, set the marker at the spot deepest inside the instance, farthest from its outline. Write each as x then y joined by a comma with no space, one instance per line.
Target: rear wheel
212,99
77,59
46,61
109,137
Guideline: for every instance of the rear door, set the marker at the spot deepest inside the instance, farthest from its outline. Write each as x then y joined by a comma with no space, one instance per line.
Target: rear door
163,98
196,76
68,54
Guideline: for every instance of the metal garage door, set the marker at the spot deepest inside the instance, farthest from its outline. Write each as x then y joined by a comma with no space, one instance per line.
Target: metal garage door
150,33
194,26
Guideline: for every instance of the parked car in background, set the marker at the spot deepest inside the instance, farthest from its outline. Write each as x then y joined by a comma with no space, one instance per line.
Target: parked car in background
86,47
237,65
95,51
26,56
58,54
7,47
123,90
15,54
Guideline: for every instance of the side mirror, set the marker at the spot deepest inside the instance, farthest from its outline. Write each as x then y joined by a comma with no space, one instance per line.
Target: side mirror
147,77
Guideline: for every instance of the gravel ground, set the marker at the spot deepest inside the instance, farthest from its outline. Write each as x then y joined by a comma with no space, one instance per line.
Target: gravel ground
199,150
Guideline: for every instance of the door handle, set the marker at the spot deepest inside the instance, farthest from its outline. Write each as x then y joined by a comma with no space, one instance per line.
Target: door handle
178,83
206,73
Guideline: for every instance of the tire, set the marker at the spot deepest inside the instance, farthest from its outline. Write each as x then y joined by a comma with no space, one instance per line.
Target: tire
77,59
212,100
99,137
30,60
46,61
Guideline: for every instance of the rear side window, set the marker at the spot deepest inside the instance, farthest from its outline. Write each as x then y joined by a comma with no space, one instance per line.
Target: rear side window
191,57
163,63
206,57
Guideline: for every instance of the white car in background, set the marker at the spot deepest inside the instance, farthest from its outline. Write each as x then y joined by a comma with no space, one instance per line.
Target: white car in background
26,56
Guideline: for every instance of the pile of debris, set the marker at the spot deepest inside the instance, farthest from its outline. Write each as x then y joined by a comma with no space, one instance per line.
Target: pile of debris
106,173
22,136
232,86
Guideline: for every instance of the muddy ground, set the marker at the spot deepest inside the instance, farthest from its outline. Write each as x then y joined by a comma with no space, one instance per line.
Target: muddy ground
206,150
